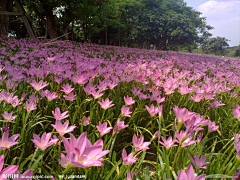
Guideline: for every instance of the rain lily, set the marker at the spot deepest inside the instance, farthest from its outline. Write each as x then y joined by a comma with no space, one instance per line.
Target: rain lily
66,88
127,159
8,117
70,96
85,121
38,86
199,162
236,112
6,143
128,100
119,125
215,104
168,143
152,110
189,174
105,104
126,111
81,153
57,114
62,129
8,170
212,126
139,144
25,174
43,142
182,114
103,129
130,175
30,106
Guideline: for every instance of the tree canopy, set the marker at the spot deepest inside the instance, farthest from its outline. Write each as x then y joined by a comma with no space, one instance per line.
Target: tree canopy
162,24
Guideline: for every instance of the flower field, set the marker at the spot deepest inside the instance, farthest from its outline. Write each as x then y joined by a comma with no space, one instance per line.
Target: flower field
71,110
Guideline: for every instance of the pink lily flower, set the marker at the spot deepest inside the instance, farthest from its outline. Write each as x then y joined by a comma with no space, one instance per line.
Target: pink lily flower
103,129
30,106
6,143
119,125
66,88
127,159
199,162
126,111
85,121
62,129
212,126
105,104
152,110
43,142
182,114
189,174
81,153
236,111
139,144
128,100
168,143
215,104
70,97
8,117
26,173
8,170
38,86
57,114
130,175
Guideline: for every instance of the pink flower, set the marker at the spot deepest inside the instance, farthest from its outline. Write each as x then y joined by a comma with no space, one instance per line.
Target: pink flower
189,174
8,117
85,121
66,88
119,125
57,114
139,144
8,170
50,96
130,175
199,163
26,173
43,142
81,153
103,129
215,104
126,111
152,110
127,159
6,143
62,129
128,100
212,126
182,114
105,104
168,143
38,86
70,96
236,112
30,106
156,134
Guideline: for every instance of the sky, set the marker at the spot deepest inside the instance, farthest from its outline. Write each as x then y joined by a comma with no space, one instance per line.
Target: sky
223,15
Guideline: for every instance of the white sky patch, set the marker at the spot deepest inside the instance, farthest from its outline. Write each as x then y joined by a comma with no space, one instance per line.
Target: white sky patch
224,16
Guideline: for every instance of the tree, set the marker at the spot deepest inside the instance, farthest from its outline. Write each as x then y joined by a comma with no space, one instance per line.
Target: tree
216,45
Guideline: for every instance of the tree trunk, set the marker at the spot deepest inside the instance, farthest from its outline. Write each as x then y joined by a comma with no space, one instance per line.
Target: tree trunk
106,36
50,21
3,18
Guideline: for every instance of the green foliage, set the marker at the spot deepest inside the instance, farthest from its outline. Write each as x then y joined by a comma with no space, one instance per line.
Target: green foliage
155,24
216,46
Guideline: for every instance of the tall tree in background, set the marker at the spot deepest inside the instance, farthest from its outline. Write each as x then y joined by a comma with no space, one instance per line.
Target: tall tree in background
160,24
216,46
